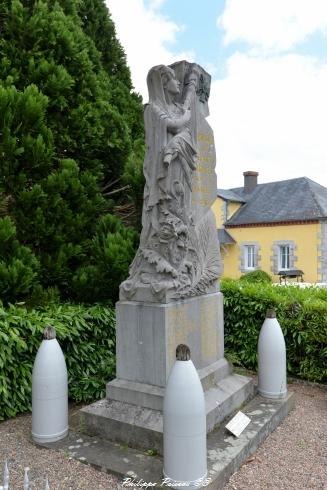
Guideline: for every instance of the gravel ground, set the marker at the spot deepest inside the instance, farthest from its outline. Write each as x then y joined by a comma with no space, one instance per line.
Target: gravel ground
294,456
63,472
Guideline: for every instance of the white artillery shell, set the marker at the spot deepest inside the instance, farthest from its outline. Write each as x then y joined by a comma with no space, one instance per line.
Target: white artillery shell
49,394
184,426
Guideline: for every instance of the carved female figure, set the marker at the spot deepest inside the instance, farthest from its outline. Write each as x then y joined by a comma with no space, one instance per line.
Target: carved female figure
170,159
172,252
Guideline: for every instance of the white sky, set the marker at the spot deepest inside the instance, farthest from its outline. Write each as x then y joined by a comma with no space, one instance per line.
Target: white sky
269,107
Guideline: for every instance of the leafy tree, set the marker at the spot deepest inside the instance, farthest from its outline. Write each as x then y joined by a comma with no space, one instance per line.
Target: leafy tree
68,124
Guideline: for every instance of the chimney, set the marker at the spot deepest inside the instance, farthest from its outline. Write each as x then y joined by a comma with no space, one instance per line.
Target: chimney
250,181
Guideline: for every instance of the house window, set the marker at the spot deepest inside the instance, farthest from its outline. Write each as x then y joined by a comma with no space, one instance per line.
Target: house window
284,257
249,258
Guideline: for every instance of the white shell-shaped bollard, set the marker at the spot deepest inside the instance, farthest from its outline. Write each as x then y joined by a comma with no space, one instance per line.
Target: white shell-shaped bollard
271,359
6,476
26,483
49,391
184,425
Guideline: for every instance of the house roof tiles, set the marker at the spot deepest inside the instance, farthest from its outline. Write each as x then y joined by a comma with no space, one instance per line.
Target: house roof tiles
298,199
229,195
224,237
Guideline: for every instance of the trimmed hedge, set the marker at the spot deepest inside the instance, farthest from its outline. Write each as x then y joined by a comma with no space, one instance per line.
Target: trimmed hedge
86,336
302,314
256,277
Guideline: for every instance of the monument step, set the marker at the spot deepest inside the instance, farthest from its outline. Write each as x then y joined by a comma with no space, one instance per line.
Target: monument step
141,427
150,396
229,394
225,452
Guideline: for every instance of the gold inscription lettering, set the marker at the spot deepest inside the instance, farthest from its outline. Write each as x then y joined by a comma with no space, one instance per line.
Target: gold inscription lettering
205,170
204,158
206,138
201,202
203,190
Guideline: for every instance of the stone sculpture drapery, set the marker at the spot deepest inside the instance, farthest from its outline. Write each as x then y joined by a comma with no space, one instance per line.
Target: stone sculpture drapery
178,255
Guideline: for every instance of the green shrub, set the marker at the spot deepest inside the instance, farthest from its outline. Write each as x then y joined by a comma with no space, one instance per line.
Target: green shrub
19,268
302,314
256,276
86,336
111,251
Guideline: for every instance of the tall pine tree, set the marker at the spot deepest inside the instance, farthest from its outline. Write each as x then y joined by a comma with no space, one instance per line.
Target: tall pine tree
70,130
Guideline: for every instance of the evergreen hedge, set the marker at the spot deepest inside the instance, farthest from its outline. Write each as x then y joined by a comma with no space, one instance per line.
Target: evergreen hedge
86,336
257,276
302,314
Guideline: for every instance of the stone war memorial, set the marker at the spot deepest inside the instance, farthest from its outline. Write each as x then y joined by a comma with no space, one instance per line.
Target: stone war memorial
171,296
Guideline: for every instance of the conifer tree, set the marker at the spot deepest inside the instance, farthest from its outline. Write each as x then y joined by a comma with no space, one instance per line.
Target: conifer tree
98,25
69,124
19,268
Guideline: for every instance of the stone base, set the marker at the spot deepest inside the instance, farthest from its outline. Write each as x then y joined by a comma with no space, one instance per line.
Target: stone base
150,396
142,427
225,453
147,337
148,334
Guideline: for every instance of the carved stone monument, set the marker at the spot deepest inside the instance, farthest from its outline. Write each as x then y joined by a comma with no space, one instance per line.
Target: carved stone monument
178,255
172,293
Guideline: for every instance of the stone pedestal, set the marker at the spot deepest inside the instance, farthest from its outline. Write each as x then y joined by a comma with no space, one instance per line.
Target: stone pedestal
147,337
148,334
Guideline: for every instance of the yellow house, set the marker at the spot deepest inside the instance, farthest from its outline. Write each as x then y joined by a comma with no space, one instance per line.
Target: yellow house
279,227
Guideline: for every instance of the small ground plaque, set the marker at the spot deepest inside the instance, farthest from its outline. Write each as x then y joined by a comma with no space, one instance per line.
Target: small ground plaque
238,424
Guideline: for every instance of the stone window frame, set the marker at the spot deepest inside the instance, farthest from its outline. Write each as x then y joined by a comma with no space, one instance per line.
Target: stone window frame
284,257
276,251
257,256
322,252
224,211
